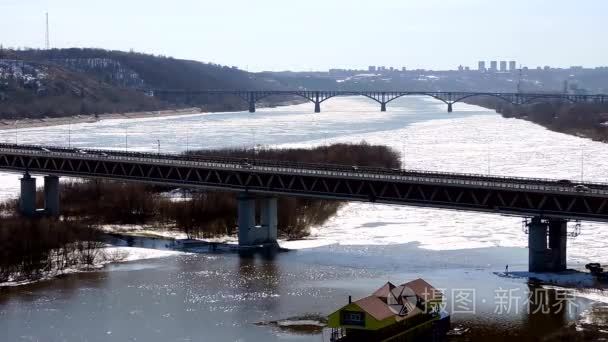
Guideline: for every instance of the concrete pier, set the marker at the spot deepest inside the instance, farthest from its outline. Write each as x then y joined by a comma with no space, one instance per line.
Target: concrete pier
537,245
246,218
383,107
268,219
558,237
27,200
317,107
51,195
251,106
449,107
251,234
545,257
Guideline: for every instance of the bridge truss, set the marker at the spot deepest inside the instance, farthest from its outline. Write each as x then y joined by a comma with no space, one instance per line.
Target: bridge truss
517,196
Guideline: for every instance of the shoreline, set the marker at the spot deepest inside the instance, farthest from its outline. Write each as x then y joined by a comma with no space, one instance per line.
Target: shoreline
25,123
590,132
66,120
113,255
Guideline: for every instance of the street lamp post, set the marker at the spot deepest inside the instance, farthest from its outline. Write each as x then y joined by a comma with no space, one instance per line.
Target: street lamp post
582,162
70,133
158,142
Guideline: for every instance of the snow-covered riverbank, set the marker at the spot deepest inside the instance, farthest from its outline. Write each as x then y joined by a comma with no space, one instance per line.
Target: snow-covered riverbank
105,256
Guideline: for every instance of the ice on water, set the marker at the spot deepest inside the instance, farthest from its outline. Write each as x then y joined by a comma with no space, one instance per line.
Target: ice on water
472,140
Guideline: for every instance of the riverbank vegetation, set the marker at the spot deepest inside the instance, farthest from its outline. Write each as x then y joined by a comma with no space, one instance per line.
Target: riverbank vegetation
30,248
582,119
34,249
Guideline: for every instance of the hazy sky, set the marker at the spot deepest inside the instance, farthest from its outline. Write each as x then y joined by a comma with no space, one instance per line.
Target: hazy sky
322,34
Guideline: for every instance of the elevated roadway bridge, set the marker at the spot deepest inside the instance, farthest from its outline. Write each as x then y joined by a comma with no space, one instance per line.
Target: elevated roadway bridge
551,203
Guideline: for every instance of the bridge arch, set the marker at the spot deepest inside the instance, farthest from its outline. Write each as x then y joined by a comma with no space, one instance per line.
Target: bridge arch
302,94
384,97
419,93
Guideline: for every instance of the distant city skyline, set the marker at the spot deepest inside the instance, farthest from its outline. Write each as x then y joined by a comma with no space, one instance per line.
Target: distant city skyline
318,35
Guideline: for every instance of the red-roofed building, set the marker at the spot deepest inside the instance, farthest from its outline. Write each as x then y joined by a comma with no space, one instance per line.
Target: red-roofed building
409,311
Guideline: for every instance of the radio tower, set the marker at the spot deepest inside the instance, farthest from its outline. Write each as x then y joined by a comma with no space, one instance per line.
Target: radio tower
47,44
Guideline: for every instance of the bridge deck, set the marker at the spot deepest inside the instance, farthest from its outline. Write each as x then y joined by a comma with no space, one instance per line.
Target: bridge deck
508,195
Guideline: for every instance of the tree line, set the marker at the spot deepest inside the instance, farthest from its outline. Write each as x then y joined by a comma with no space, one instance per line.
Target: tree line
30,249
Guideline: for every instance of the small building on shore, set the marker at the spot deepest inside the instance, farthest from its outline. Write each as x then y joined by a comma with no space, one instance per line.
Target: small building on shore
407,312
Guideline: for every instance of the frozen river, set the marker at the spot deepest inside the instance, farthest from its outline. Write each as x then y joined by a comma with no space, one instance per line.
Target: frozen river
218,296
470,140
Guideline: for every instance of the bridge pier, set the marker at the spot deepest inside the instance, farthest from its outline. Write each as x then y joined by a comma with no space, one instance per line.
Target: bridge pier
251,106
449,107
249,233
51,195
27,200
317,107
541,258
558,237
268,219
383,106
537,245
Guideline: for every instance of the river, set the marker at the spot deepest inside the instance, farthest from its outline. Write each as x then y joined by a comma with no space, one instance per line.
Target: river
219,296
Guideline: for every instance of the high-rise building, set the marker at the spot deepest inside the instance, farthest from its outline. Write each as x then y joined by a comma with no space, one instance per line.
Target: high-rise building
371,68
493,65
512,65
503,66
481,66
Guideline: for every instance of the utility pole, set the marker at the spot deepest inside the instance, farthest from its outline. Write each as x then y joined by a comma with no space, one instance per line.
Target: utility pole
489,156
47,44
582,162
158,141
70,133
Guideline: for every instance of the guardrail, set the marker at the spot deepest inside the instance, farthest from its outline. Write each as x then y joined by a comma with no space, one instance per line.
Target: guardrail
332,170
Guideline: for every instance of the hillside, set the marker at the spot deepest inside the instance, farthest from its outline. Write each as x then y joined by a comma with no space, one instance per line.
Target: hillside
60,82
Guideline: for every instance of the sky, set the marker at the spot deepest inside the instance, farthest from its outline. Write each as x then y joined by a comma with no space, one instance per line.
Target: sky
276,35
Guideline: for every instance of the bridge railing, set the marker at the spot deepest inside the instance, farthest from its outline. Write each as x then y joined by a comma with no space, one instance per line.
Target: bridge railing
280,167
251,162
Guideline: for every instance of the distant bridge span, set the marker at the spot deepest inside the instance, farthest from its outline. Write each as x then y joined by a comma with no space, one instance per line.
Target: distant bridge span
384,97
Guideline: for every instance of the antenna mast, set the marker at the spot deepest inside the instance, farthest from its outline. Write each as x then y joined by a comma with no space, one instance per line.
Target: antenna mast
47,41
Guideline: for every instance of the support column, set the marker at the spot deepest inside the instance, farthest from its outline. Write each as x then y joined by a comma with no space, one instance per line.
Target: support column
558,236
383,106
537,245
449,107
268,218
246,218
51,195
317,107
27,200
251,106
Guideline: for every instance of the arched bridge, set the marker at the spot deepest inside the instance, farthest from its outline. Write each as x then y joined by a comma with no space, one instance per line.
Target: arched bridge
384,97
